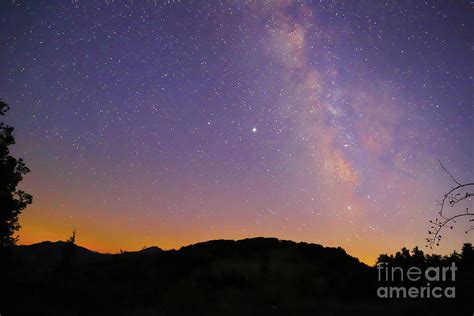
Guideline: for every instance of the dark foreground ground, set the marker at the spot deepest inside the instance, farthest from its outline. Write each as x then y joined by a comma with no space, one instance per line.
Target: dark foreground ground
260,276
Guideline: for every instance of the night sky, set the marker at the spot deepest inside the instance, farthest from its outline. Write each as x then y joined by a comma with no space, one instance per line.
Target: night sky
172,122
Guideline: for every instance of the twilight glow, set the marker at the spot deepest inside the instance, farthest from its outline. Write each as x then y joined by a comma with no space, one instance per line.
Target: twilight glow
171,122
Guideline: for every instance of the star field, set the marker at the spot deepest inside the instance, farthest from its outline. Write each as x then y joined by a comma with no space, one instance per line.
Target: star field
172,122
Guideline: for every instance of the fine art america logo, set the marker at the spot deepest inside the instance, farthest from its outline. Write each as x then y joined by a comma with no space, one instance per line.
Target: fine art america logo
413,282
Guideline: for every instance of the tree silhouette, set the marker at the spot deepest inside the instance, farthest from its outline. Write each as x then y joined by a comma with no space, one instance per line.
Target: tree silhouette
68,252
459,192
467,253
12,170
72,239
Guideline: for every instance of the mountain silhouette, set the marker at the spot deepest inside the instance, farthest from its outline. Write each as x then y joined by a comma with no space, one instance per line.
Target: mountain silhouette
49,253
257,276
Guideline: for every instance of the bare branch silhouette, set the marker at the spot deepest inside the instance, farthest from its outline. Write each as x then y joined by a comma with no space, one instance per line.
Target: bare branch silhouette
460,192
446,170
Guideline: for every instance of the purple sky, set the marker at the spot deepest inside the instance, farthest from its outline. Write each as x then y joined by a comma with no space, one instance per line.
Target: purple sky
172,122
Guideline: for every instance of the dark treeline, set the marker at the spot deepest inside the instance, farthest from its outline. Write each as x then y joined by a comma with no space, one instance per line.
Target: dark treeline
405,258
462,263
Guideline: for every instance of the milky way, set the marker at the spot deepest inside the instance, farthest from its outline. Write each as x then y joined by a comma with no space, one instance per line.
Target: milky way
168,123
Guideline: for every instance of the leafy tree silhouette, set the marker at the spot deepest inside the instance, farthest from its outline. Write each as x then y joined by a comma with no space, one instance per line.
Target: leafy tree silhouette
12,170
467,254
